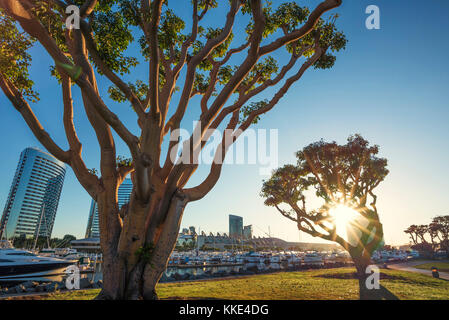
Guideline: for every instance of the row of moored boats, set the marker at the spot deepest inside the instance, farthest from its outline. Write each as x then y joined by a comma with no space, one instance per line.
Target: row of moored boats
17,265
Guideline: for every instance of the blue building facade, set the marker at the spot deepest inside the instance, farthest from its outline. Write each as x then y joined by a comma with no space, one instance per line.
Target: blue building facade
34,196
93,224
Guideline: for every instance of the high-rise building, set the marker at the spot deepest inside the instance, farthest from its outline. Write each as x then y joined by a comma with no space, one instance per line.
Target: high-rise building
34,196
235,226
93,224
248,232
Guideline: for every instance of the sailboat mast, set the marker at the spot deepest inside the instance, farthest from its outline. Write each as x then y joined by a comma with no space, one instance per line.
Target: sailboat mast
46,232
39,227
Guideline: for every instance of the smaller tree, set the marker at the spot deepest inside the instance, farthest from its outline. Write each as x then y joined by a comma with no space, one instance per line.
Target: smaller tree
69,238
417,233
441,228
427,239
343,178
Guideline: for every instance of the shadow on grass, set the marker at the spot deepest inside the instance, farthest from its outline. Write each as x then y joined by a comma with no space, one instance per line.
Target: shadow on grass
353,275
381,294
385,294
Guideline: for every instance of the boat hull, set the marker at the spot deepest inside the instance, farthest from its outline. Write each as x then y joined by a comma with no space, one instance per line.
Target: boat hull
25,272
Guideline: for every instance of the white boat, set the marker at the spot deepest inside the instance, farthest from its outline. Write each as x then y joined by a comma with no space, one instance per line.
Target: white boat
331,257
412,254
255,257
275,259
313,258
47,252
293,258
22,265
390,255
240,259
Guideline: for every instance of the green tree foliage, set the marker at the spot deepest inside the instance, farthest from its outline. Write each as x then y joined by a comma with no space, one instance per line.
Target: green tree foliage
112,26
15,58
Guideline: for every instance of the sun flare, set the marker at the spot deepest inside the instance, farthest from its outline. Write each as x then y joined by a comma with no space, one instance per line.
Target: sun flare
343,216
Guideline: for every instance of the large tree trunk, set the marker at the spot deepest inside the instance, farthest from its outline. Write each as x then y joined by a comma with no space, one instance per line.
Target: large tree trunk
136,256
361,263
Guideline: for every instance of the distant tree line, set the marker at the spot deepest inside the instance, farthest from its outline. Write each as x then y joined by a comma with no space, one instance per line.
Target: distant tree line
430,238
43,242
186,246
239,247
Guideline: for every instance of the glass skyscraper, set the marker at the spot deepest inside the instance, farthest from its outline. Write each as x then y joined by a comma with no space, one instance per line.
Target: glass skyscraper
34,196
93,225
235,226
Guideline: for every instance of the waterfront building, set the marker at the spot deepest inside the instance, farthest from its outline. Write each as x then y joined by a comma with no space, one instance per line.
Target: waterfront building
223,242
90,245
185,239
33,199
93,224
186,236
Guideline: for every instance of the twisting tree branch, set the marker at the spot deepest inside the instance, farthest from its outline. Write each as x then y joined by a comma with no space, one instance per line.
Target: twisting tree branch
85,177
304,30
25,110
129,94
154,57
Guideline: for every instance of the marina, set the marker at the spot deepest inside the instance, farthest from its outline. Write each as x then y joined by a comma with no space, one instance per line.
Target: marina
49,265
46,271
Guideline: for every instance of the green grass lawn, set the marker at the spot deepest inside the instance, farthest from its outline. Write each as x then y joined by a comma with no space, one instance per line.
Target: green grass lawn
334,284
442,266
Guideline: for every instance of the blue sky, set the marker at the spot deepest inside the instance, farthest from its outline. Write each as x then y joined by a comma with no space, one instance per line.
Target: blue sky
391,85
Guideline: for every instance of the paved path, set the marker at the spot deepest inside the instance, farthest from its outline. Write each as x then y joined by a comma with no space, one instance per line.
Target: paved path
409,266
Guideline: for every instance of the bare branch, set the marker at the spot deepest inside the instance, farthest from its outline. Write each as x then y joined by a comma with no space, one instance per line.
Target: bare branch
87,8
304,30
87,87
32,26
244,69
154,57
283,90
24,108
198,192
287,215
211,44
129,94
188,42
88,180
245,97
357,175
